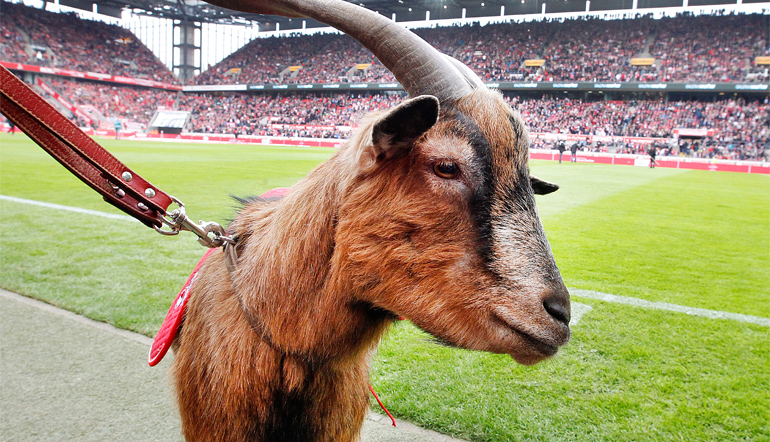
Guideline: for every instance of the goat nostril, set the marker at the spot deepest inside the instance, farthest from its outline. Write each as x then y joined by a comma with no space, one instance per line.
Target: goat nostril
558,308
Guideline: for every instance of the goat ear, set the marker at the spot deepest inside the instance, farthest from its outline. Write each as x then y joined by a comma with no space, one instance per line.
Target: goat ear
403,124
541,187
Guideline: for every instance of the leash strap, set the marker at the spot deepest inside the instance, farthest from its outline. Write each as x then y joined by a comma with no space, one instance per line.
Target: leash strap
100,170
70,146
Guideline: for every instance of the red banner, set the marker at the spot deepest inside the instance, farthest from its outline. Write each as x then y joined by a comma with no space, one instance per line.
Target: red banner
91,76
668,162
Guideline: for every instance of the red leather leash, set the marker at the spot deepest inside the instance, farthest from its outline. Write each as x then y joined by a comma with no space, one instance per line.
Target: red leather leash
63,140
84,157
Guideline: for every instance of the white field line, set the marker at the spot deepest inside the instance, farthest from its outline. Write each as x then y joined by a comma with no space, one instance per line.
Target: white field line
67,208
693,311
580,309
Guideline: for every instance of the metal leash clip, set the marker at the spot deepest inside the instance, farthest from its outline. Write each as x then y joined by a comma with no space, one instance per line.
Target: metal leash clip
210,234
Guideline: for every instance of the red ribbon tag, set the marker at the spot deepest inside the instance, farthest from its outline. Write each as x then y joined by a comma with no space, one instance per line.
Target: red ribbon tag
170,327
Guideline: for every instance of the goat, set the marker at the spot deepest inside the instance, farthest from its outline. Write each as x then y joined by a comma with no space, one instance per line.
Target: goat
427,213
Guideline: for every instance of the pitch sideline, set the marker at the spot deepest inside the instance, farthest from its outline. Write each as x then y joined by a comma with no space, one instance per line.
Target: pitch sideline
653,305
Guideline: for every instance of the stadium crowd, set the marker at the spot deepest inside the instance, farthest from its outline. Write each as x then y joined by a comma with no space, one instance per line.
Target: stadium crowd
112,100
266,114
41,38
739,126
316,59
686,48
723,48
741,129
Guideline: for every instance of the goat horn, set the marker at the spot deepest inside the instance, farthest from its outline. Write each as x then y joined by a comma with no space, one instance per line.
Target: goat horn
418,66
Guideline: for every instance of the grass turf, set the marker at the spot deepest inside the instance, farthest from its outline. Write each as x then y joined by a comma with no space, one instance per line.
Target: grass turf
693,238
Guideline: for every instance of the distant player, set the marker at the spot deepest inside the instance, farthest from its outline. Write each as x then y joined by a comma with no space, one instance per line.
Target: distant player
652,153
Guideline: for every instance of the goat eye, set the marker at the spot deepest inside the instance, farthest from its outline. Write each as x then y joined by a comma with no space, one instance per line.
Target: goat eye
446,169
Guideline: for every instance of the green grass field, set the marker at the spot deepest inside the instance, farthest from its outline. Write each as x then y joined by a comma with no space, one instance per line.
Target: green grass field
698,239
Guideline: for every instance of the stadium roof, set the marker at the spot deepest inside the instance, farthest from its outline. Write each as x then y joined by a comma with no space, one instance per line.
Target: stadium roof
404,10
199,10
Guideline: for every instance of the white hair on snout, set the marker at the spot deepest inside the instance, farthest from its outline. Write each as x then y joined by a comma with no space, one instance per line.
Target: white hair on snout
520,247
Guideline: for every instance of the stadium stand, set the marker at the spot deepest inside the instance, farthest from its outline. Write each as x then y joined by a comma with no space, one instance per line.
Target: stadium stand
40,38
710,48
259,114
684,48
741,129
317,59
113,101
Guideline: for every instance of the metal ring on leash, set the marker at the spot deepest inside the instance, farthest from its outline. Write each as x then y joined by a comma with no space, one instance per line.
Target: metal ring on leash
210,234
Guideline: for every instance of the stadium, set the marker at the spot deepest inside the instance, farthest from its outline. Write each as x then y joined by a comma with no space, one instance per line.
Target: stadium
668,268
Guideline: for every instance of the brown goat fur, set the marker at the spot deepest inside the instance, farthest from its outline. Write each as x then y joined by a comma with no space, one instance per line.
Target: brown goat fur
279,349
